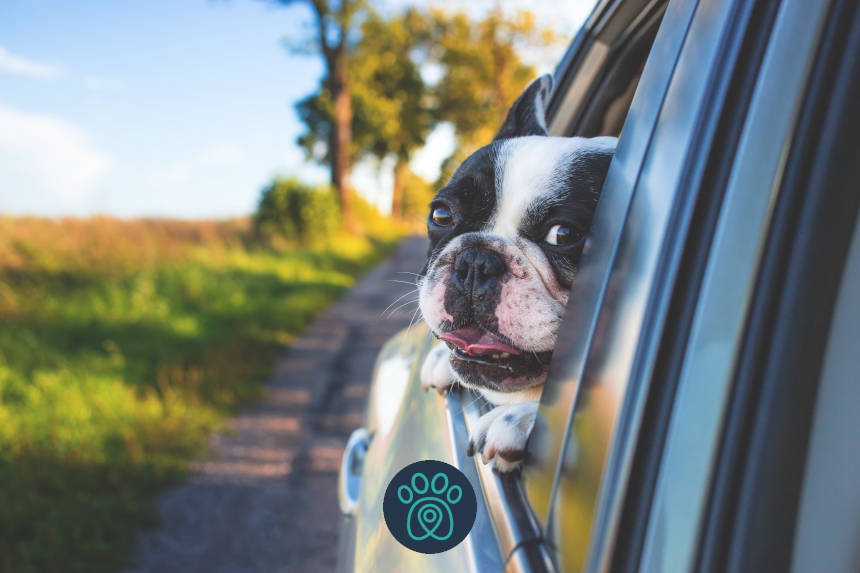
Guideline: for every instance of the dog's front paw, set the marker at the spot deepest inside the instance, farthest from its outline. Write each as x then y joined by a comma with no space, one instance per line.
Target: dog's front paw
436,370
501,434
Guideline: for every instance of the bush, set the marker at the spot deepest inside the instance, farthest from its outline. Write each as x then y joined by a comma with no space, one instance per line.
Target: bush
297,212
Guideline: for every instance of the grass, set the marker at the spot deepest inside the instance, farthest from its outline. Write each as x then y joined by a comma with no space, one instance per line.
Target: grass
122,345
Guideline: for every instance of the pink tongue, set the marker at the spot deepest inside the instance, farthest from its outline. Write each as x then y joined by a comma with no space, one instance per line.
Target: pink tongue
477,341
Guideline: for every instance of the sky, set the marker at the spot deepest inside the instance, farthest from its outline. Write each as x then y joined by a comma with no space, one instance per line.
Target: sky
169,108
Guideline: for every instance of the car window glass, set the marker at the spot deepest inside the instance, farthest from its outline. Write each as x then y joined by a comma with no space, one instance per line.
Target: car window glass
587,294
829,515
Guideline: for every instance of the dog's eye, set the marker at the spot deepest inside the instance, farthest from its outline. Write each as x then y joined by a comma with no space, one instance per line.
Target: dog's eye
442,216
560,235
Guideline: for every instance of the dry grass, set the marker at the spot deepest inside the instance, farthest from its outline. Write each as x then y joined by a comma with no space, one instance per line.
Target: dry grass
122,344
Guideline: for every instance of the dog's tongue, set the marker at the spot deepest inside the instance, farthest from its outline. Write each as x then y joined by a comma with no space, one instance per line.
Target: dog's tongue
477,341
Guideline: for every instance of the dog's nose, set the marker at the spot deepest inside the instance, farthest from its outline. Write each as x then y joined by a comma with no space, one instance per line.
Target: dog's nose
477,270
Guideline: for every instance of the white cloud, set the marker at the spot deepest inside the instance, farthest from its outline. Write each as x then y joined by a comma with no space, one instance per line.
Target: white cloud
101,83
221,153
21,66
47,158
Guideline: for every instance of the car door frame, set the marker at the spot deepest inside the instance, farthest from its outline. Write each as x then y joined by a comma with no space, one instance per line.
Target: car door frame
738,31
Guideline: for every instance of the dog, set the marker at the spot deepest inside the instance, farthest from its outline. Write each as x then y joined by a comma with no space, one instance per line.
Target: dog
506,234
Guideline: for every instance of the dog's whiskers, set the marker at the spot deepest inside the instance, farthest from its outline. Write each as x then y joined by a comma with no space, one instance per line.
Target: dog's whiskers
412,320
398,299
405,304
401,282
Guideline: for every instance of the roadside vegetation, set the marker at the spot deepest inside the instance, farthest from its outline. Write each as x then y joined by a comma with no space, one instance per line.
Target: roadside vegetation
122,345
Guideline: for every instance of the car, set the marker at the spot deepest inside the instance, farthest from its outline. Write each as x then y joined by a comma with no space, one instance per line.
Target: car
701,410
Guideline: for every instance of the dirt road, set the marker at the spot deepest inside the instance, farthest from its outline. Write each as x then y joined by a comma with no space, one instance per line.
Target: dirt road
265,501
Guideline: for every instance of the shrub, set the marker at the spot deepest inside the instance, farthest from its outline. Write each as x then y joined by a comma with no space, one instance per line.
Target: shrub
297,212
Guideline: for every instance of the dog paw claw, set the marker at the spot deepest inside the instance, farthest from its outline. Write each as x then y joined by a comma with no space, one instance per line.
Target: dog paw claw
501,435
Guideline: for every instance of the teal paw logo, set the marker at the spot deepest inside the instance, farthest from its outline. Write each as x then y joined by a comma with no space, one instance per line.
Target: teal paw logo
430,514
429,506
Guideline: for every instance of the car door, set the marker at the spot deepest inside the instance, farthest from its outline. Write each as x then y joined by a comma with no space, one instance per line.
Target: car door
677,442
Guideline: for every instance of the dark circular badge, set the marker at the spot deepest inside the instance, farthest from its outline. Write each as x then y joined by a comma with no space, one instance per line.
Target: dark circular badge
429,506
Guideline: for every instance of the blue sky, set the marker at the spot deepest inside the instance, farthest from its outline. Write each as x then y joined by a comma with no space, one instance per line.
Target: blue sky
180,108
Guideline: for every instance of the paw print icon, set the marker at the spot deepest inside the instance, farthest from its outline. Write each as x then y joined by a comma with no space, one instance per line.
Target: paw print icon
429,506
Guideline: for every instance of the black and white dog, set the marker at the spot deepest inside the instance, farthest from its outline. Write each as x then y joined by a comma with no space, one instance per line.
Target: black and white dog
506,234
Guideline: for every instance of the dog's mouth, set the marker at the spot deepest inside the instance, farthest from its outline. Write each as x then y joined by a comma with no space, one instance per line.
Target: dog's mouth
480,347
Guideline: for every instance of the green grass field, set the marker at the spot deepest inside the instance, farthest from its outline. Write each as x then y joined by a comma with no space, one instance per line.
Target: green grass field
122,345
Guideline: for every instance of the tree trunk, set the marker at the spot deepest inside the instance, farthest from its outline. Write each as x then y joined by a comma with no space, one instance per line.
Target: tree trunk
397,189
340,135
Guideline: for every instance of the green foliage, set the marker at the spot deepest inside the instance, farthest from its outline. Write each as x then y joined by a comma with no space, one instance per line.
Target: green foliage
394,108
122,344
296,212
417,194
390,102
483,70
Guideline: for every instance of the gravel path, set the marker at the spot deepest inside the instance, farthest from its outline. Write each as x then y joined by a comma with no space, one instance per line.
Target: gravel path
266,501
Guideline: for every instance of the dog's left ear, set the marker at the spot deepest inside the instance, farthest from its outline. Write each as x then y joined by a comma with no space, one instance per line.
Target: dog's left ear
527,115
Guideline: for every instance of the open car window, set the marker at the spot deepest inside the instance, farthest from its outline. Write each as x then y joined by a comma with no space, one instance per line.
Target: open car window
594,90
608,345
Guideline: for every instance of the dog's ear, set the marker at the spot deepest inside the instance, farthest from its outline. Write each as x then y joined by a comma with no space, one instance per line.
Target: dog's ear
526,116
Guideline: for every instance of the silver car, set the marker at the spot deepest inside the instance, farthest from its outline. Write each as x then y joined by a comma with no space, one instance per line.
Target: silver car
702,411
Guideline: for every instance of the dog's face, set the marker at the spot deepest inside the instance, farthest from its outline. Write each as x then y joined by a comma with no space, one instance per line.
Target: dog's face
506,234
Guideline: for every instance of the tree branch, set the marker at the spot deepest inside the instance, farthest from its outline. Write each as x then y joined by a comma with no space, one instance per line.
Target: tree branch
321,9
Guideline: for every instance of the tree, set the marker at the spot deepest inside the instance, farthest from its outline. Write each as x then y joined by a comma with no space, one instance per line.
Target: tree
392,103
336,21
393,107
483,73
391,114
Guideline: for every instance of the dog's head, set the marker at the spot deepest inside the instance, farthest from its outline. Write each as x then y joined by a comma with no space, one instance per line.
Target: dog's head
506,233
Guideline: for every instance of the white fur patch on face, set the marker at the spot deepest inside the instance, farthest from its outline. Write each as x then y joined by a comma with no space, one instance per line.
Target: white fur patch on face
431,299
531,304
524,171
525,168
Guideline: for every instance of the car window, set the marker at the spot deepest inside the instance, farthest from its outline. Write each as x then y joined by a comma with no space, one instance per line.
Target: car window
605,379
608,86
716,338
594,88
829,516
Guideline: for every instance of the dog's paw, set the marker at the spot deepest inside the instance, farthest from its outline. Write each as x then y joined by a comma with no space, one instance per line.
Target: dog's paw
436,370
501,434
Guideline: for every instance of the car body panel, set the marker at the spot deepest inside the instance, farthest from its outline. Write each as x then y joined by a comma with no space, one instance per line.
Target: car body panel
578,327
406,425
694,433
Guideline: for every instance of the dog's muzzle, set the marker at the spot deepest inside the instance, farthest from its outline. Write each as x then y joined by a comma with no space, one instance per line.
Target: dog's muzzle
477,271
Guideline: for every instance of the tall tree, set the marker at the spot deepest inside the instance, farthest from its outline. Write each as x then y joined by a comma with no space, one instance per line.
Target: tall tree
483,72
336,22
394,106
390,104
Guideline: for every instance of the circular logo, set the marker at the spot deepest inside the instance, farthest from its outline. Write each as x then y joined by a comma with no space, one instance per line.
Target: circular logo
429,506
